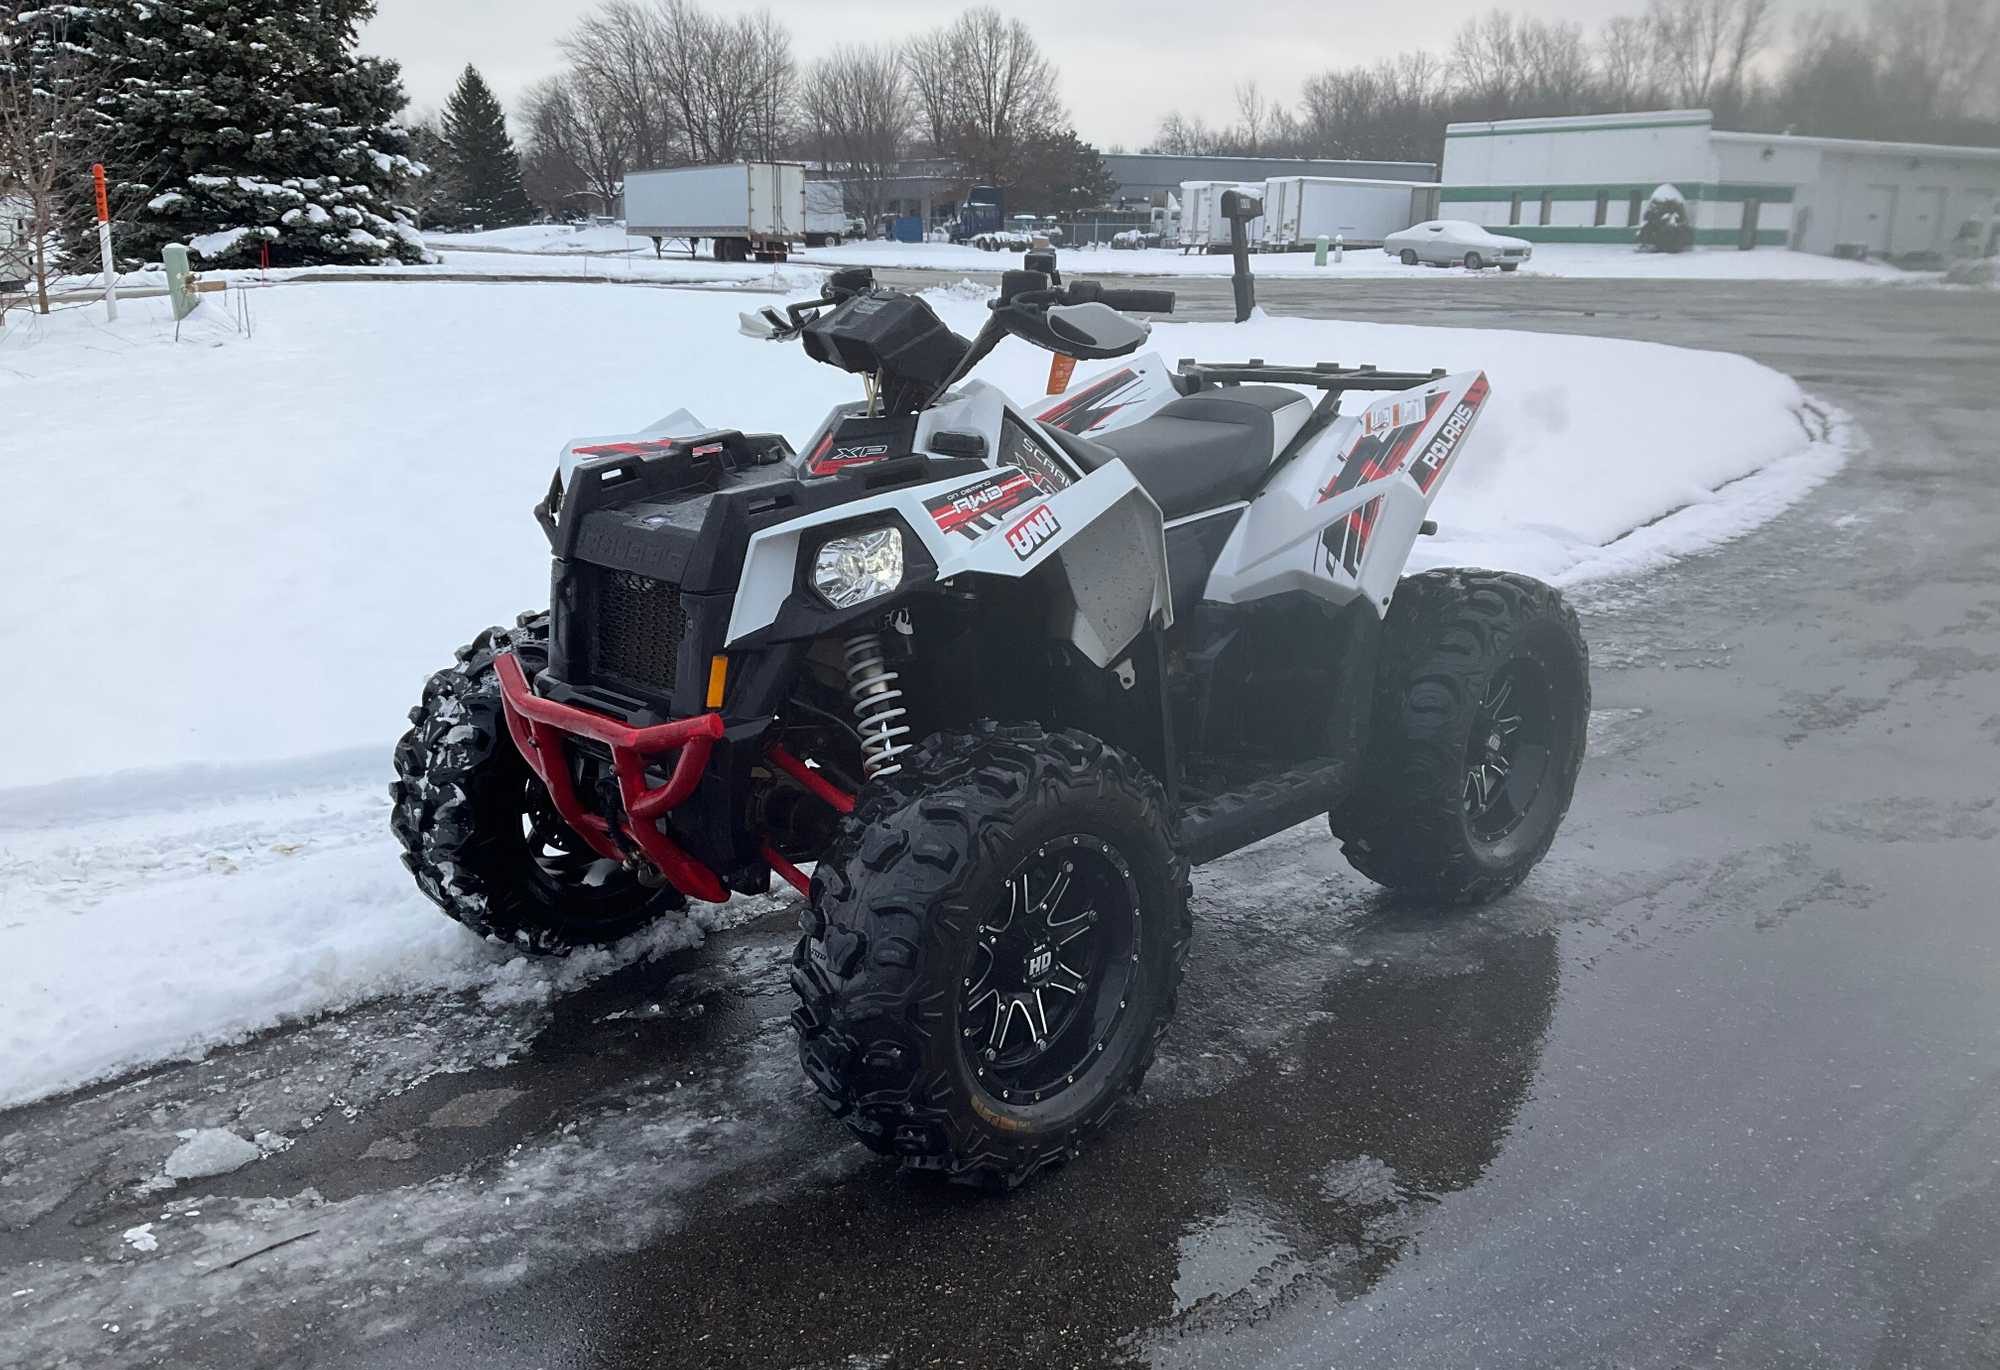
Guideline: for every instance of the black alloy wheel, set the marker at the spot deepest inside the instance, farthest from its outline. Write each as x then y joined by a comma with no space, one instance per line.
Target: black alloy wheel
1049,970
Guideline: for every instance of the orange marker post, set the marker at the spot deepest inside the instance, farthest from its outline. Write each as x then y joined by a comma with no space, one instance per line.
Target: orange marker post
104,243
1061,368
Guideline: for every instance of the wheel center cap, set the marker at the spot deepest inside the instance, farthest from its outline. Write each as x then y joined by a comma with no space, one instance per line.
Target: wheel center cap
1040,961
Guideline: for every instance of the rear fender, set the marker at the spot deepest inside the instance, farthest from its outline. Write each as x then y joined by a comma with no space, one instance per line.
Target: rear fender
1340,518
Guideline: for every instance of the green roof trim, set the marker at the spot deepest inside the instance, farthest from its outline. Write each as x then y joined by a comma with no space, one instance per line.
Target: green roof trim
1576,128
1616,192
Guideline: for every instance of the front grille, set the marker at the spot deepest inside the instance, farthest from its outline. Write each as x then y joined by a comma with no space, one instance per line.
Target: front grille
634,626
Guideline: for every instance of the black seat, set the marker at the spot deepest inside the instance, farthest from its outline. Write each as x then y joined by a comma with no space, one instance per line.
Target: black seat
1198,451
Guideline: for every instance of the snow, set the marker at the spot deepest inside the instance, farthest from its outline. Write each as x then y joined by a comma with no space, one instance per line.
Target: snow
208,1152
216,244
246,552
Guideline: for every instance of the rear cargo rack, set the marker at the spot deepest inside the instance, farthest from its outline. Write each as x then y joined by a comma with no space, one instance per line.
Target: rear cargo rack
1328,376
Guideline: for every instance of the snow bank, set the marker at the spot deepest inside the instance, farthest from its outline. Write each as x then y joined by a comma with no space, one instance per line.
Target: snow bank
244,554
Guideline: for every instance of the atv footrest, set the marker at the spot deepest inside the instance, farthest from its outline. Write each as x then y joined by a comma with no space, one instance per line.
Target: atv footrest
1215,825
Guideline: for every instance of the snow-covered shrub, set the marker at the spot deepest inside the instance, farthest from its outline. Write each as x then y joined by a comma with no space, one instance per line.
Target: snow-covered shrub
1667,226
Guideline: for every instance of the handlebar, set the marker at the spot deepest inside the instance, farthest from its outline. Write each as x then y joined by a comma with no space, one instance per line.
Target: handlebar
1031,290
1139,301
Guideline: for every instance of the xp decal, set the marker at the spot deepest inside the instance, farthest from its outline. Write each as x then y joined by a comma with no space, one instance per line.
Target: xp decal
829,460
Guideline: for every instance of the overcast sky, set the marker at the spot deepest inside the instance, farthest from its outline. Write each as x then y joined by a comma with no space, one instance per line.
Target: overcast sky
1124,62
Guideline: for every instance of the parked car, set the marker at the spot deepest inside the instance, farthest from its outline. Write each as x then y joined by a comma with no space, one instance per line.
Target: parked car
1449,242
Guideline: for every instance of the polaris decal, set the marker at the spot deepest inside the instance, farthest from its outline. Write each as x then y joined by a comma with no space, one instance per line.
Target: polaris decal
1095,403
973,511
1384,442
1426,469
1033,531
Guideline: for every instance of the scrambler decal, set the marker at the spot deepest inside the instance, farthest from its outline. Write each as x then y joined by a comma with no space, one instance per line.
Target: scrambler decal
1426,469
1033,531
973,511
1019,448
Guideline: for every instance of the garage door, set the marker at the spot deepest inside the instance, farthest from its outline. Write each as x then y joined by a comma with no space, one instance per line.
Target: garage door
1869,218
1925,229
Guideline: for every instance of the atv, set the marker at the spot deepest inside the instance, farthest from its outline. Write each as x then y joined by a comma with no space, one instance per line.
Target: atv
999,674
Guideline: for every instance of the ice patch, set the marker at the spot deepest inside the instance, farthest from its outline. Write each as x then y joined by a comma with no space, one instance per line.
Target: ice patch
208,1152
139,1238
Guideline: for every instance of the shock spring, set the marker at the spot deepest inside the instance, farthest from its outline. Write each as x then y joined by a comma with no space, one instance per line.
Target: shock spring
878,714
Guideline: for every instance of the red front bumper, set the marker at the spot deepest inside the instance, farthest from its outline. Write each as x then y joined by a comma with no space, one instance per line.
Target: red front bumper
539,726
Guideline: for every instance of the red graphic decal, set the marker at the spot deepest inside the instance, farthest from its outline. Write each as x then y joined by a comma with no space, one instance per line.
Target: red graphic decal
1426,469
651,448
1093,404
976,510
1375,455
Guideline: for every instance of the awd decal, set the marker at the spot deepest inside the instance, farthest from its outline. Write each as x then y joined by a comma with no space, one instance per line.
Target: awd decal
1033,531
1426,469
1388,432
1095,403
973,511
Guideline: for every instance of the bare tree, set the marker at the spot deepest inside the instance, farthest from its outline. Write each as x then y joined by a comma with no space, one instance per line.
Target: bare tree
1252,114
1556,75
1943,56
617,52
1626,63
858,115
576,145
47,122
1487,53
986,91
1706,47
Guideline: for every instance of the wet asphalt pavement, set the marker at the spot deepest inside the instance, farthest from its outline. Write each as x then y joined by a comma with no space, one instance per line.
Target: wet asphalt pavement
1719,1086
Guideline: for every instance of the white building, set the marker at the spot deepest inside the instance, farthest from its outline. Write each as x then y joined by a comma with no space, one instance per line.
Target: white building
1586,179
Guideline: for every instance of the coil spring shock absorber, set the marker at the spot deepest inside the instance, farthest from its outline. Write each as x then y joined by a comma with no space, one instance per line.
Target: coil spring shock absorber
871,686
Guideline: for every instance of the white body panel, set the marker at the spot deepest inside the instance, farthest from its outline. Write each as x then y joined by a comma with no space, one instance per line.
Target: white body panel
1337,522
756,200
1340,518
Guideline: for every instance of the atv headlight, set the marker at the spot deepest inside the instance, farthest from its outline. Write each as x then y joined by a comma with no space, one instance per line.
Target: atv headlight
858,567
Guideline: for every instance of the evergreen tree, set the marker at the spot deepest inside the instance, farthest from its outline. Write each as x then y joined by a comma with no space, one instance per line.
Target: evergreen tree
485,170
233,124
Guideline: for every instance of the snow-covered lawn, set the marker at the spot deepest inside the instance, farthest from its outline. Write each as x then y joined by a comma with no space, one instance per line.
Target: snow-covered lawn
233,559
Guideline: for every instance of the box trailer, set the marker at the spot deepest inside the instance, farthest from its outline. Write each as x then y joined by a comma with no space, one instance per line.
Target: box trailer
826,213
1298,210
1203,227
749,209
16,243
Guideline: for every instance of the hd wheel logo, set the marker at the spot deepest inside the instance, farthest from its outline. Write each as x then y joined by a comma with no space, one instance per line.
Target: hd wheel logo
1032,531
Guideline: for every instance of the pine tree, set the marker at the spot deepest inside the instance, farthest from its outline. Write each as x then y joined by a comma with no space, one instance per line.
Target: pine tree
485,170
234,124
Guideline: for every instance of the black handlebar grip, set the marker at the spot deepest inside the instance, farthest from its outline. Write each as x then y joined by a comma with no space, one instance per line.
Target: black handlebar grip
1140,301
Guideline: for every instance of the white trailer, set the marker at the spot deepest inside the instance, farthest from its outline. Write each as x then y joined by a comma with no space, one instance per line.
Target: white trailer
750,209
1298,210
826,213
1203,228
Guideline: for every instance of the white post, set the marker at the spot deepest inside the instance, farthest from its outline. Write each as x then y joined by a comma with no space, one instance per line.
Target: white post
104,245
1339,248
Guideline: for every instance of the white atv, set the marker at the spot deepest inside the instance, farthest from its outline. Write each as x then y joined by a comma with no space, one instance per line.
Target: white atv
1000,674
